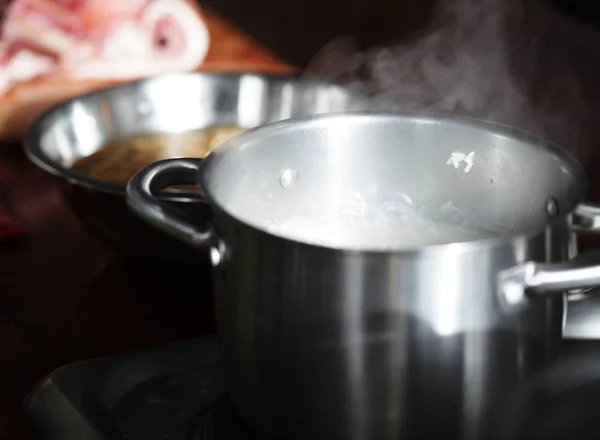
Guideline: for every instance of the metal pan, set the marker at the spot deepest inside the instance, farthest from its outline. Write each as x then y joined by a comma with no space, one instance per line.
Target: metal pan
167,104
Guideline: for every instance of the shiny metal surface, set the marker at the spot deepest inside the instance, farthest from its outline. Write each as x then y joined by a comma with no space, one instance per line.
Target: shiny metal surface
399,342
583,317
518,284
171,103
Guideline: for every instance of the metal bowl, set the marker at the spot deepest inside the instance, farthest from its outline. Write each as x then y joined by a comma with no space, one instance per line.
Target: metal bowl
171,103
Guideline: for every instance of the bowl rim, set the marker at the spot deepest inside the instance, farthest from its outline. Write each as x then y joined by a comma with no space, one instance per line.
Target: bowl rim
39,125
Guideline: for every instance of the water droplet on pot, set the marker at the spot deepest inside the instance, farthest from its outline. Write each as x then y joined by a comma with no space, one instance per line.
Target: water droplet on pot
288,178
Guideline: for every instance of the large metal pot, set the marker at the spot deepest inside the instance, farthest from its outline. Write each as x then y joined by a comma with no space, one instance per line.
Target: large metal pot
333,327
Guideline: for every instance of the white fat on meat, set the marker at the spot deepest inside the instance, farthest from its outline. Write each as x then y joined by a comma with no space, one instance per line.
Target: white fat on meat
23,66
52,40
132,49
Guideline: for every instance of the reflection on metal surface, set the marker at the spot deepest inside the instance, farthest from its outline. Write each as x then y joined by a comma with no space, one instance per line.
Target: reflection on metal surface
583,317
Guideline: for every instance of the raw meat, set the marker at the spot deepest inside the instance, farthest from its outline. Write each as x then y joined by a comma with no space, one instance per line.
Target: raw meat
110,39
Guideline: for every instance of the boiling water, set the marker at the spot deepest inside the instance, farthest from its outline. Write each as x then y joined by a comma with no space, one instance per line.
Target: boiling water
375,229
360,216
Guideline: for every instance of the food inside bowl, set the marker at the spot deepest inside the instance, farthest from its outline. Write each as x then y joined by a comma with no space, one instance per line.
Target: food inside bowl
121,159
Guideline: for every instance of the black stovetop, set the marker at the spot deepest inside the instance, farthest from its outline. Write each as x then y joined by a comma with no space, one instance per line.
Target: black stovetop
176,392
154,394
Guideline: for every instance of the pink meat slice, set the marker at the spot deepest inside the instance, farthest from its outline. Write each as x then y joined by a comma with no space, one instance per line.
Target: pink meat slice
99,38
56,26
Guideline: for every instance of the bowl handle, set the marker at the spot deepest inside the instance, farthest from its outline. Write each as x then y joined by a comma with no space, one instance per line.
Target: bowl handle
530,279
142,198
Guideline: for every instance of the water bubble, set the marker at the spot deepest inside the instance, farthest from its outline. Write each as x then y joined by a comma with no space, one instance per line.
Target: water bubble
398,206
288,178
450,214
393,211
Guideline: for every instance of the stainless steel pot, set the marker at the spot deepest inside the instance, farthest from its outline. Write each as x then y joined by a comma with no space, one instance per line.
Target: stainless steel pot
330,326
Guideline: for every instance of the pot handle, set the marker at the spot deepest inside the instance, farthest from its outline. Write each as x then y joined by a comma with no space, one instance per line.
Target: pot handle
142,198
530,279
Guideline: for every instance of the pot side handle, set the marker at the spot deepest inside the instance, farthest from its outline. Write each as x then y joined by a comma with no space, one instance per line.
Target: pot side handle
530,279
142,198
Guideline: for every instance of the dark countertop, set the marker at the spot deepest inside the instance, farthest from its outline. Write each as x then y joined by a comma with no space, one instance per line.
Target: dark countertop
65,298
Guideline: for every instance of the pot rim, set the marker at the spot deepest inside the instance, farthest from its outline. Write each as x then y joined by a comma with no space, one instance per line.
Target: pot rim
511,239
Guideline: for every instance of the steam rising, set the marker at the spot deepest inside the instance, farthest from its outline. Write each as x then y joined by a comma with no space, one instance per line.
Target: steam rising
508,61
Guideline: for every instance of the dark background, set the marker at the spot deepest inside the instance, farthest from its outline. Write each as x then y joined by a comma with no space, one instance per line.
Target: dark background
295,30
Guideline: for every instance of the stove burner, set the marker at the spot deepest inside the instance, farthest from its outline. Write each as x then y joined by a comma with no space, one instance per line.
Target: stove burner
560,404
177,392
219,421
